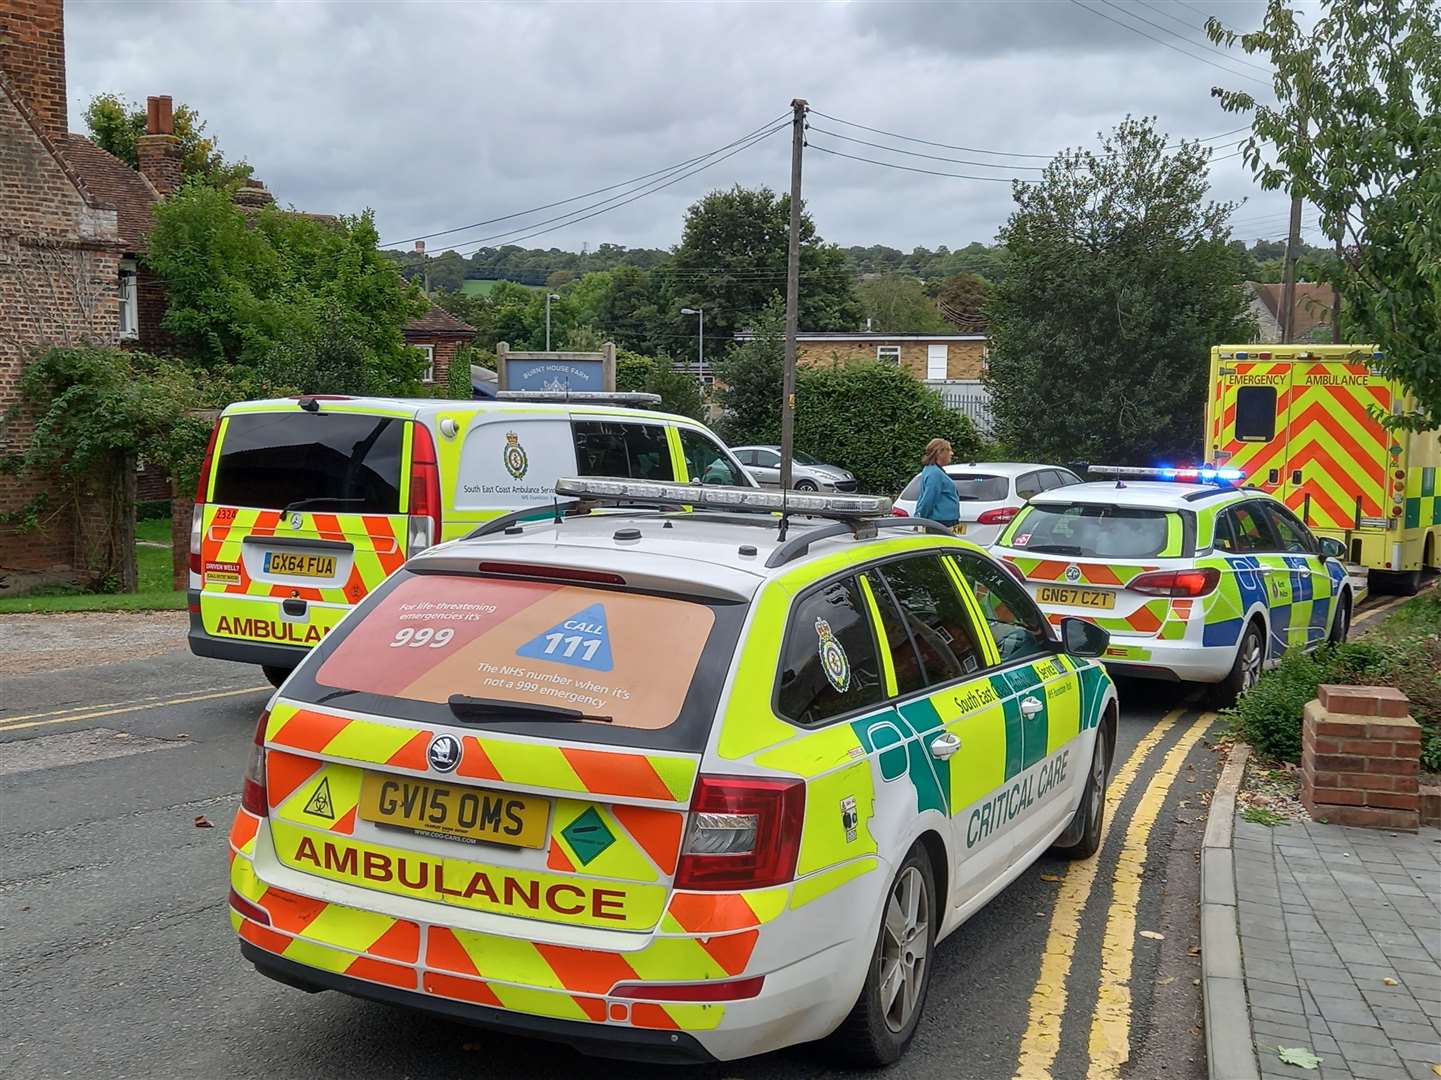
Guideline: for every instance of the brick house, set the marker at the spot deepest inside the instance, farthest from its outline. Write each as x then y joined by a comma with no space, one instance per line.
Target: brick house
439,335
1313,311
929,357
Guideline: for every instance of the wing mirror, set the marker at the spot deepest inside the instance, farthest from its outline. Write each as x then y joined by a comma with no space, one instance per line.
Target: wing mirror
1331,548
1084,639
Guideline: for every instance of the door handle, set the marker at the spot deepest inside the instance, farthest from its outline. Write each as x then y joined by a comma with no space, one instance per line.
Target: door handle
1030,706
944,745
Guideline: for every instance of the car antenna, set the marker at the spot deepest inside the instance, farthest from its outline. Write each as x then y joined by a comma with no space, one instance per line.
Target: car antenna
785,520
555,503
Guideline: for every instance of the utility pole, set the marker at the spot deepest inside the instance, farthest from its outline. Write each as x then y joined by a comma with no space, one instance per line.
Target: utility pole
1288,277
793,293
549,296
1336,295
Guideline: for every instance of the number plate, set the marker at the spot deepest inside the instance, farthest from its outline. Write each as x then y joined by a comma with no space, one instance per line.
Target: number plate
457,811
1064,594
959,528
297,564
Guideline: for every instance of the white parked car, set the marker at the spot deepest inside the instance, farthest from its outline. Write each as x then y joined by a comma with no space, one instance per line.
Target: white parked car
991,493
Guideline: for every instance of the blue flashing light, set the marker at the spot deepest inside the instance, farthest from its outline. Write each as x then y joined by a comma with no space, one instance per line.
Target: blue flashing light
1243,356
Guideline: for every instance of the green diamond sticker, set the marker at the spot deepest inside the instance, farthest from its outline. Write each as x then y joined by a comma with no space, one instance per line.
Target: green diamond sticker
588,836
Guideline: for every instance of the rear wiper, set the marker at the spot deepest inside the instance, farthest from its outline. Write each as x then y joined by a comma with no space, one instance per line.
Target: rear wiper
1056,549
481,708
300,504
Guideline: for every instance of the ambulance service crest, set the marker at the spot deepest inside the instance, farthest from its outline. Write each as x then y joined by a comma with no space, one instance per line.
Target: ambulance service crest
514,456
834,661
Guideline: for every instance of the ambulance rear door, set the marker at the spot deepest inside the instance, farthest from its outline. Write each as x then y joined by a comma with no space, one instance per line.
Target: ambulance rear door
1250,402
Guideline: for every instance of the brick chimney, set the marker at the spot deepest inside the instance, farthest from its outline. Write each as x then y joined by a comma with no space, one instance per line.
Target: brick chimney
158,150
252,195
32,55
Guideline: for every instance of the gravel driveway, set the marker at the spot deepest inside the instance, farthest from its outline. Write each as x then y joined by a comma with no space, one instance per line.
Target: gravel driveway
53,642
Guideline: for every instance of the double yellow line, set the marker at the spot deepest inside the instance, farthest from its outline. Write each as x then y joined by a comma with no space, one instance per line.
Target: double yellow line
115,708
1111,1022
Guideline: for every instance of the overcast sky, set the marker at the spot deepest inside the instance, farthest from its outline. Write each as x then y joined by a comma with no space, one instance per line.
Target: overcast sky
442,114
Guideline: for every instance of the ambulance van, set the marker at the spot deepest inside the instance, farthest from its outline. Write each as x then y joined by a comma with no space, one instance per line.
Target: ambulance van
1304,423
305,505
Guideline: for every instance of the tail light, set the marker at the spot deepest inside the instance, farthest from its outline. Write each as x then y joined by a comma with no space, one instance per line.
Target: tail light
1181,583
202,492
252,789
1014,570
253,912
1001,515
745,833
424,492
896,511
729,990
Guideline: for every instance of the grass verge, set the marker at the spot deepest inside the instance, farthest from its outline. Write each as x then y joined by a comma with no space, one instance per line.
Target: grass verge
154,580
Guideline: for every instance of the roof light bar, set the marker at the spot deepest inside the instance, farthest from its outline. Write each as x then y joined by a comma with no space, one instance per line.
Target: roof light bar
1203,474
723,497
581,397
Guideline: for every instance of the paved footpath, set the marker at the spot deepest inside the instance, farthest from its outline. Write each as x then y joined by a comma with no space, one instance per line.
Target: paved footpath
1341,943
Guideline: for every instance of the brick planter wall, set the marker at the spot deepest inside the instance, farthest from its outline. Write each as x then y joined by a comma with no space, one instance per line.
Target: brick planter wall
1360,757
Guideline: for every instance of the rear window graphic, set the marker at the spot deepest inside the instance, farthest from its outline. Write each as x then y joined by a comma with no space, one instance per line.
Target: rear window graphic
528,643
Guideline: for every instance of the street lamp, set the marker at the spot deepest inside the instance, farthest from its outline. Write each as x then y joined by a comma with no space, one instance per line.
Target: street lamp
548,298
700,370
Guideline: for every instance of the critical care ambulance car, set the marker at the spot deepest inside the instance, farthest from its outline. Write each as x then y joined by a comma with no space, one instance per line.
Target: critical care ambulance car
1304,423
665,784
305,505
1195,579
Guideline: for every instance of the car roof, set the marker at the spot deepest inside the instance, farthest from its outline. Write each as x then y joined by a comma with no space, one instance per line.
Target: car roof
996,468
694,552
1150,494
430,408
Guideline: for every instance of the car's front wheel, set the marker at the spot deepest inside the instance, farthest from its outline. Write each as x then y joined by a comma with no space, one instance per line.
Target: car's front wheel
805,485
884,1018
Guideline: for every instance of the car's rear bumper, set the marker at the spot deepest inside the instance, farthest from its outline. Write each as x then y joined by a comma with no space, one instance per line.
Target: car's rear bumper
603,1040
1171,661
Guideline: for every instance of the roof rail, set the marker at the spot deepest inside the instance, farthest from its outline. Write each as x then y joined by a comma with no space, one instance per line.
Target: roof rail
581,397
798,545
672,495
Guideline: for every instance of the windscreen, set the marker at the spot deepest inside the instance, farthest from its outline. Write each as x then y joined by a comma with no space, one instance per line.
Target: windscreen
566,661
342,462
803,459
1095,532
977,487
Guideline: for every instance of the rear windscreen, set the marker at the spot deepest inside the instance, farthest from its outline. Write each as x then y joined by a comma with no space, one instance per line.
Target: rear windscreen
973,487
1097,532
1256,413
565,661
313,461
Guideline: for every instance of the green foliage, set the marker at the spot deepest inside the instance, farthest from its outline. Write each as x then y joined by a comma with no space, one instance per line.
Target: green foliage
1259,815
836,411
750,375
898,304
731,261
254,292
679,392
457,380
1119,279
962,300
1356,131
115,124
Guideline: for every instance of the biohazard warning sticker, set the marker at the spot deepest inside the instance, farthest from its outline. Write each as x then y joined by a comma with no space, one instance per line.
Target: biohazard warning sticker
320,804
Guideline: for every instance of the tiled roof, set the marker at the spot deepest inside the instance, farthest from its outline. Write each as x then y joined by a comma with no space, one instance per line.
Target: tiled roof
438,321
113,184
1313,304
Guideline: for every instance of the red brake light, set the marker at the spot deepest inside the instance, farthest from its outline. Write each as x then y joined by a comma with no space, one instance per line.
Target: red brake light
730,990
202,492
744,833
1015,571
252,789
253,912
424,491
1180,583
1001,515
896,511
554,573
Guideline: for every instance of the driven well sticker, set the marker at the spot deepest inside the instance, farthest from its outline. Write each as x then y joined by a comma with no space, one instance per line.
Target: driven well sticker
530,642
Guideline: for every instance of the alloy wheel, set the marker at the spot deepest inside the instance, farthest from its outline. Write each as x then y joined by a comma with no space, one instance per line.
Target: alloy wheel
905,943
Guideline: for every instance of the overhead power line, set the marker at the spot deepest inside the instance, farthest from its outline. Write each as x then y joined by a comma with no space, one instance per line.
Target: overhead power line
585,195
910,168
927,142
1194,44
932,157
1166,44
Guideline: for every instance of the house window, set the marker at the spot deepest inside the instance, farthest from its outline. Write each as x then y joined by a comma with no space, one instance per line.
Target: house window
429,352
888,354
129,301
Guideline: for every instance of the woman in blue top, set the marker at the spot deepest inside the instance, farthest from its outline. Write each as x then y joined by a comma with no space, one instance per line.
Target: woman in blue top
939,501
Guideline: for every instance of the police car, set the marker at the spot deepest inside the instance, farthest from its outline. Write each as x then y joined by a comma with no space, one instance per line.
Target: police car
1194,578
683,783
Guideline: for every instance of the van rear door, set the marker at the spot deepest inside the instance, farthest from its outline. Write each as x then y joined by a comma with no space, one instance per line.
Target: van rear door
1248,425
304,518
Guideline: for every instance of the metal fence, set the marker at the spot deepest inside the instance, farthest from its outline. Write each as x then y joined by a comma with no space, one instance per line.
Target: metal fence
970,399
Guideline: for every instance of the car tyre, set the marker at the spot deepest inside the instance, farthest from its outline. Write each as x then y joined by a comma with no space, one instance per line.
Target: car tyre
806,485
1341,621
885,1016
276,675
1244,673
1090,820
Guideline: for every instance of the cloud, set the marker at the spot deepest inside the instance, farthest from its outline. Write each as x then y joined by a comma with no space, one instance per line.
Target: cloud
441,114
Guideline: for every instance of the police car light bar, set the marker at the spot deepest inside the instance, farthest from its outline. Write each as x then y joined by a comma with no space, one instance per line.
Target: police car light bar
723,497
581,397
1201,475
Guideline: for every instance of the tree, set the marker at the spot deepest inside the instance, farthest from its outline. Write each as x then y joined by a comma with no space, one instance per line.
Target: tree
898,304
732,259
750,379
242,286
115,124
962,300
679,392
1119,280
1356,131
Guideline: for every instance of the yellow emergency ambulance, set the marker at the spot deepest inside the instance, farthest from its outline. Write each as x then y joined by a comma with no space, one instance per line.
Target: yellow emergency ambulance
683,783
1304,423
304,505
